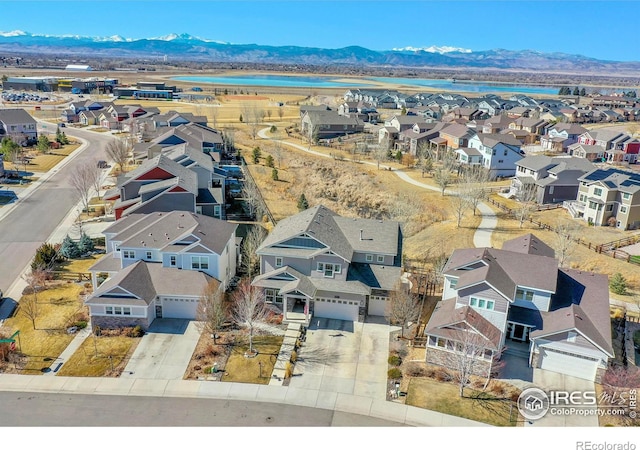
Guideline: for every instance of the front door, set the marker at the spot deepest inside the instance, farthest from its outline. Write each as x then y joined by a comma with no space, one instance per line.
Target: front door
518,332
158,311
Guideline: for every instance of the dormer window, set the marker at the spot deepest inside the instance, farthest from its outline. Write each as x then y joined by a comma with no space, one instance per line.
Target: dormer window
571,337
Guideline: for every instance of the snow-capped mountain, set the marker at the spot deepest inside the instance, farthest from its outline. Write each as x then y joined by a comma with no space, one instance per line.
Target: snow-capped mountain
433,49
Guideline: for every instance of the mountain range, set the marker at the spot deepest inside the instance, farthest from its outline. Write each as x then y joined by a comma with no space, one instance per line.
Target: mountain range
187,47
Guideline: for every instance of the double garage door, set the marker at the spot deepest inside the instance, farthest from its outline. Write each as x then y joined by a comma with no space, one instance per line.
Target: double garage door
568,364
331,308
179,308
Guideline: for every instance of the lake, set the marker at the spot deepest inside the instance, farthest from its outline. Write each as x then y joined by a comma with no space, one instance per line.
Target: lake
335,82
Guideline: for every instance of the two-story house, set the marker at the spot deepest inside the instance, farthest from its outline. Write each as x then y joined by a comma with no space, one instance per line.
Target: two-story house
18,125
517,297
317,263
327,124
618,146
553,179
608,197
457,135
500,153
157,266
560,136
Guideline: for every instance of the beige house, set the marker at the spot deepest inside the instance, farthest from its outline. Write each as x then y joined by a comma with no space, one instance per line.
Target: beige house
608,197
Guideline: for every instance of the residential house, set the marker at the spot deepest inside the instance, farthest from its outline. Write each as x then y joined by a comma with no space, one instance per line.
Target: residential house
319,264
500,153
158,265
618,146
456,135
519,299
593,153
495,124
533,126
549,179
18,124
329,124
560,136
608,197
469,156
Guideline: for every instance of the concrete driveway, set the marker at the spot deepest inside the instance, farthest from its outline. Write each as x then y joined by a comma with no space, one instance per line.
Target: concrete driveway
164,352
553,381
344,357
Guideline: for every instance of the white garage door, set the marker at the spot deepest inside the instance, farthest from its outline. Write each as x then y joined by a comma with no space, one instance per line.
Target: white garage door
378,305
336,309
179,308
568,364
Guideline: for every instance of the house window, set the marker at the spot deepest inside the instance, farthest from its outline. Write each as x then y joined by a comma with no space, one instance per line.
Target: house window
172,260
481,303
128,254
592,205
271,296
369,258
108,309
278,261
505,152
571,337
148,255
623,209
117,310
609,207
200,262
320,267
523,294
380,258
453,283
626,195
597,192
331,269
551,189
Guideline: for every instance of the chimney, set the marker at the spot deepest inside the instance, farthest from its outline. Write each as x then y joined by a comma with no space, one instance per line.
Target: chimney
360,234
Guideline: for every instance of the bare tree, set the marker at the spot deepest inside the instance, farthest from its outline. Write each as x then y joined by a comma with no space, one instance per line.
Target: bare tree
250,260
83,180
249,308
565,242
29,304
380,151
460,203
252,116
280,112
474,180
119,151
403,208
251,195
278,151
527,202
471,351
402,308
443,178
211,312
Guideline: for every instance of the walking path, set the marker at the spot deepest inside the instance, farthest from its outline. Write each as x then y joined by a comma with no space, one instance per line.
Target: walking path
482,236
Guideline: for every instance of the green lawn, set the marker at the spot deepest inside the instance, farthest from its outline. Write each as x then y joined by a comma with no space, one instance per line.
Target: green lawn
247,370
476,405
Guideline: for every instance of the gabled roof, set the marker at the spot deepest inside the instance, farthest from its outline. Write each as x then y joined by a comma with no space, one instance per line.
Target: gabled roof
15,116
493,139
162,229
529,244
456,130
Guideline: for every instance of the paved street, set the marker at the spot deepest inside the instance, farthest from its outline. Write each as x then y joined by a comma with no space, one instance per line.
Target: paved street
29,222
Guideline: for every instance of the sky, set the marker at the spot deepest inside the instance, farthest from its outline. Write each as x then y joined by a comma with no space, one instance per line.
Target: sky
599,29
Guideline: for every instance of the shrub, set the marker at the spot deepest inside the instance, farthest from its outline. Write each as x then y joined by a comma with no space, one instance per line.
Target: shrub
288,370
443,375
97,330
430,372
394,373
81,324
213,350
273,129
294,356
499,390
618,284
136,331
274,174
415,369
394,360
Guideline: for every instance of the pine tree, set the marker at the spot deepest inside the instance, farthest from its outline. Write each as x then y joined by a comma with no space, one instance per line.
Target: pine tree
274,174
69,248
256,155
302,202
86,244
618,284
583,92
240,118
576,91
269,161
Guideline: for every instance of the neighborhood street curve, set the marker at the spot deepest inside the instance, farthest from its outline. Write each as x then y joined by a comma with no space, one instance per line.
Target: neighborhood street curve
482,236
25,225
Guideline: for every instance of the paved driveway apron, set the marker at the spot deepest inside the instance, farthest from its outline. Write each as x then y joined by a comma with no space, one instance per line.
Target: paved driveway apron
344,357
164,351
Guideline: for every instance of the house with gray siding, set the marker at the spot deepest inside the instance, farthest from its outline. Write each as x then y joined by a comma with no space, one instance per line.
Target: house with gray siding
319,264
517,297
158,265
18,125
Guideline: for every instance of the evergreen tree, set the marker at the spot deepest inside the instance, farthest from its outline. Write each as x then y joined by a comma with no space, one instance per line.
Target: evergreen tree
302,202
69,248
256,155
269,161
86,244
576,91
240,118
274,174
398,155
45,256
43,144
583,92
618,284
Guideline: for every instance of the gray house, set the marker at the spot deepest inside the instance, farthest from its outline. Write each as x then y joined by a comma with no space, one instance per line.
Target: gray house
18,125
326,124
518,299
554,179
317,263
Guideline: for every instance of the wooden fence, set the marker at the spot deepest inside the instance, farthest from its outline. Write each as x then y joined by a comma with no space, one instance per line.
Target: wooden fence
75,276
610,249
